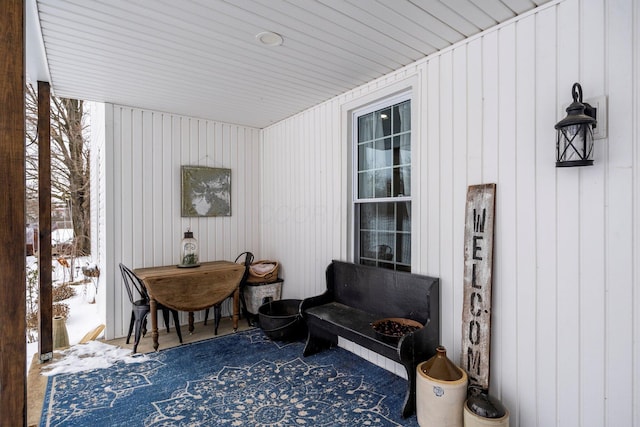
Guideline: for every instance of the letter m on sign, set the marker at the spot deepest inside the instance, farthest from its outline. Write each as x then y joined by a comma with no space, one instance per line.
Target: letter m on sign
478,274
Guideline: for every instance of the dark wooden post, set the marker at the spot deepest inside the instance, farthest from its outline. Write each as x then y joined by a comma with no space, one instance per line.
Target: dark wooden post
13,344
45,310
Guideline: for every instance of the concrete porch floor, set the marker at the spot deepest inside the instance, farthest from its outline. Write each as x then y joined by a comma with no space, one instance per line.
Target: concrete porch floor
37,383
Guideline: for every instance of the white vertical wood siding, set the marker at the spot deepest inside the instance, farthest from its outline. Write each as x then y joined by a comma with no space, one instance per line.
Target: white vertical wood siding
566,329
145,151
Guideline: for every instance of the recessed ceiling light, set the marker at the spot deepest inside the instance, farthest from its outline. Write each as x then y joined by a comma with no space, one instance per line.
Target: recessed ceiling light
270,38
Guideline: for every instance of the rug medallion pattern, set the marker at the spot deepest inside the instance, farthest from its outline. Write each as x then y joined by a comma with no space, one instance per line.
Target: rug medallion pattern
243,379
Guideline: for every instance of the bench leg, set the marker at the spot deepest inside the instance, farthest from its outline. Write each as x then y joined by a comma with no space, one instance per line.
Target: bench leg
409,406
317,342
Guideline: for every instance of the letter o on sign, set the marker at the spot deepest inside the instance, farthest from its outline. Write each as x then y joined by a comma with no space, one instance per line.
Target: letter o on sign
474,332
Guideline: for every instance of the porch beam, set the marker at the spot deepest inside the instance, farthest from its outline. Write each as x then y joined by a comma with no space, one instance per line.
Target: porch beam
45,295
13,348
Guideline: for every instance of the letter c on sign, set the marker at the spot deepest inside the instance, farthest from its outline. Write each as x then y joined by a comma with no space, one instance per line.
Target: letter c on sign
475,297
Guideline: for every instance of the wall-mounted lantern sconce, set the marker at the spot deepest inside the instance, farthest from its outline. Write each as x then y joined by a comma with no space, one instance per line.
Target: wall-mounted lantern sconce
574,140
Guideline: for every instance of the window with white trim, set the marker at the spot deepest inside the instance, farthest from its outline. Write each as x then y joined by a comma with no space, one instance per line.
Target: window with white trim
382,184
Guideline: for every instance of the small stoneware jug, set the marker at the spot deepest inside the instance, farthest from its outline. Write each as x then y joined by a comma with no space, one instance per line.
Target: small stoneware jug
483,410
441,390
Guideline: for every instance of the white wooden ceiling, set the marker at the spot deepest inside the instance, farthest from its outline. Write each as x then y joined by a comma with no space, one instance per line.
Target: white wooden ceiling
200,57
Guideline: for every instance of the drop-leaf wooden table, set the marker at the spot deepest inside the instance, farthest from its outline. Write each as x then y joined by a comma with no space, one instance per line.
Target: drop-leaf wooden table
191,289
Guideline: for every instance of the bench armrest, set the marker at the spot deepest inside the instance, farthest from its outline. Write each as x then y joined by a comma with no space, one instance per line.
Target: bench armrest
419,345
315,301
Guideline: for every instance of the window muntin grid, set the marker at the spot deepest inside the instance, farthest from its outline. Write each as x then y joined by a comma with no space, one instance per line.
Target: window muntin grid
383,187
384,153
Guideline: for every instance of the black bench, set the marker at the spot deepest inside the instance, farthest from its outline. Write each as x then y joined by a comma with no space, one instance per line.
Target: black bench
356,296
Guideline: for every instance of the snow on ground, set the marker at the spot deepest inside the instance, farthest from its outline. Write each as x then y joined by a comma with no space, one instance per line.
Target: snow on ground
92,355
83,313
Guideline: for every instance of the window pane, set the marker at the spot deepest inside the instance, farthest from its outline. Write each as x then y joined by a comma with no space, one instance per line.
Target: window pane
404,147
403,248
386,216
402,181
384,252
365,128
384,248
403,218
366,155
402,117
382,183
365,185
396,151
383,153
367,244
383,123
368,216
398,188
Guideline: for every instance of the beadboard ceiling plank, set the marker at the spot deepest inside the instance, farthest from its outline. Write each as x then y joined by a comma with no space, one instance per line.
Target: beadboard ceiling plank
448,16
374,28
412,33
426,21
496,9
472,13
519,6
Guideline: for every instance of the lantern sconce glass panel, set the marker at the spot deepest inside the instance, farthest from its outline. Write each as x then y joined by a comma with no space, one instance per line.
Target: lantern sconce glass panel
574,133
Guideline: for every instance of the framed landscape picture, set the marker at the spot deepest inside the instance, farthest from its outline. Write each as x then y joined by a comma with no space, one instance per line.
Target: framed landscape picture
206,191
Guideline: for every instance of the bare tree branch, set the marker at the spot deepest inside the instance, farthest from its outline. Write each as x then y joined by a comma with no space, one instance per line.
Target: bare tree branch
70,160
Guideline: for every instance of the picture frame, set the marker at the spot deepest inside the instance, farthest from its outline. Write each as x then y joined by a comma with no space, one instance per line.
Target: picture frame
206,191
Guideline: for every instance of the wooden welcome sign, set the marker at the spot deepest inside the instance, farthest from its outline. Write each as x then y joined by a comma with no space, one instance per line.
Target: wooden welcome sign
478,272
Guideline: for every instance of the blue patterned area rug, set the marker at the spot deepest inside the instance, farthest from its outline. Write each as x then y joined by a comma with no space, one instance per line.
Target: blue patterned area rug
242,379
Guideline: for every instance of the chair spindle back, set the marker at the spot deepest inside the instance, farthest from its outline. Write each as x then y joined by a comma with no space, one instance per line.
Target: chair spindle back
131,281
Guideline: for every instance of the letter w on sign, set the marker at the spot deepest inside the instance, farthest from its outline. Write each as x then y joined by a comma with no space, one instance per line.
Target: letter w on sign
478,272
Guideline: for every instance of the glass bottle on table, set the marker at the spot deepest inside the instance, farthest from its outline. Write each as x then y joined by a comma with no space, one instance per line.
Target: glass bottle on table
189,250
